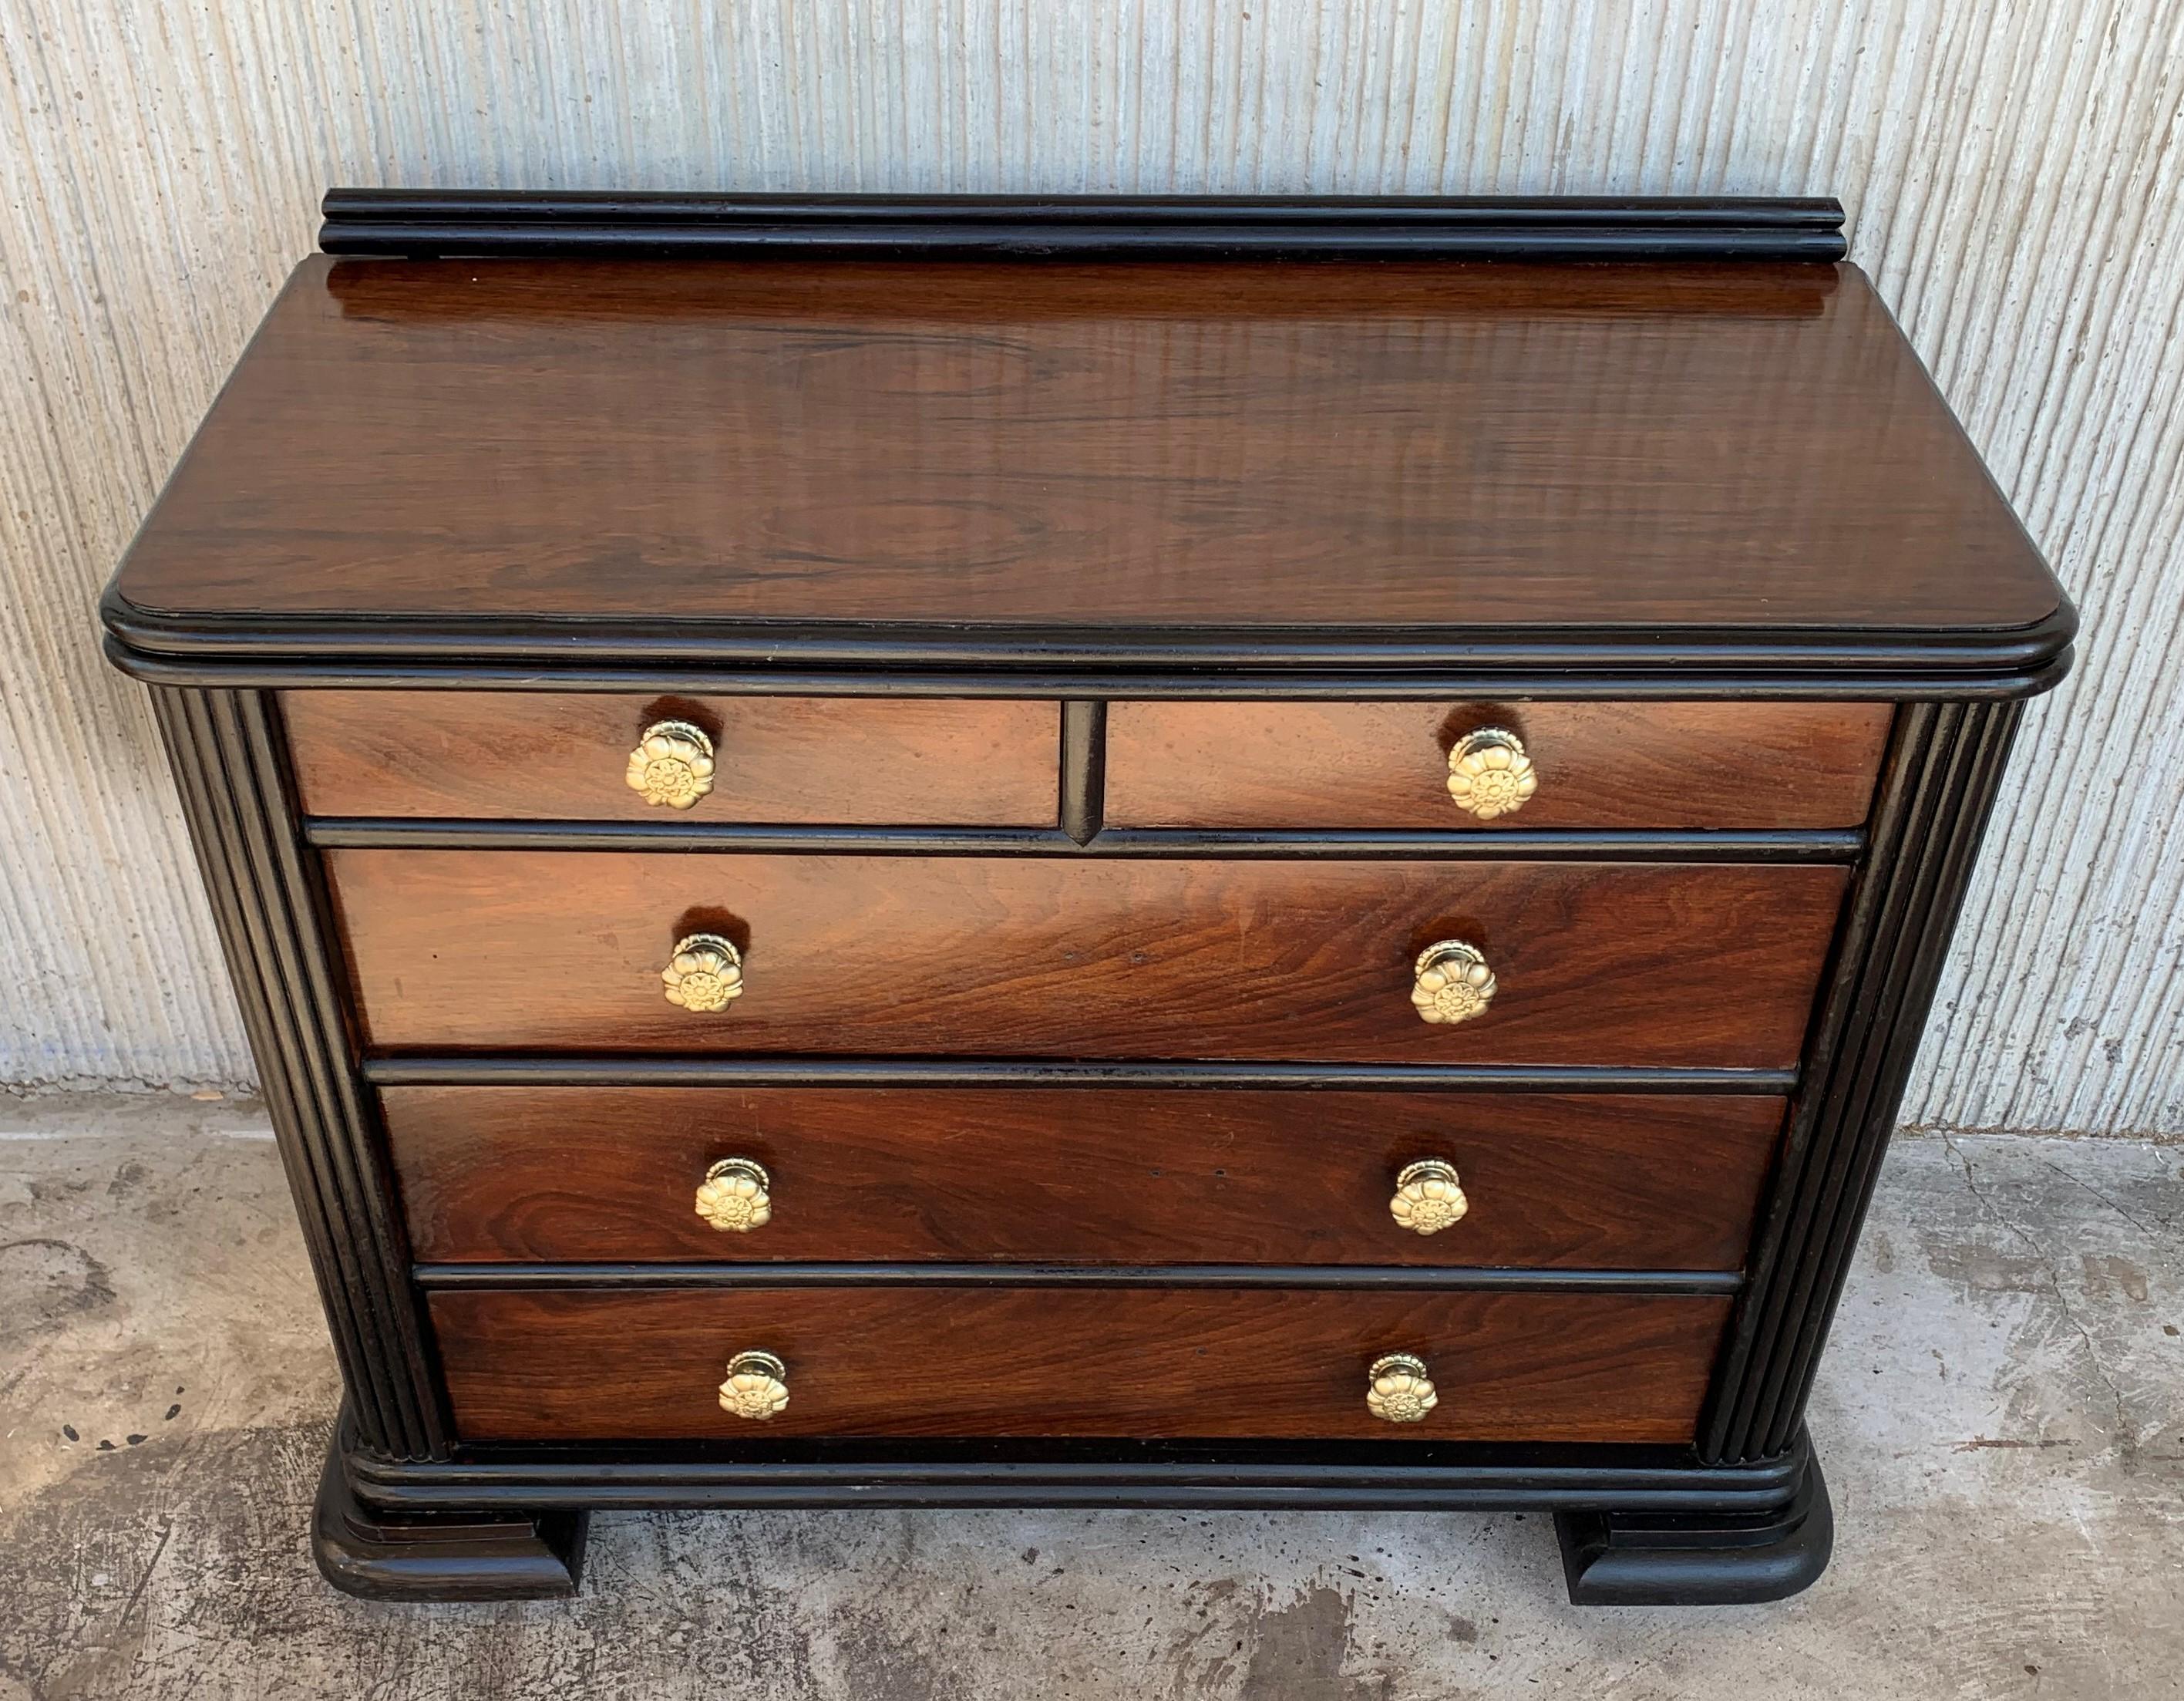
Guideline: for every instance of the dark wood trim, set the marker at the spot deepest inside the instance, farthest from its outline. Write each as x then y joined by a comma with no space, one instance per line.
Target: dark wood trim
1937,788
1655,1560
475,1556
1084,769
1366,1276
1871,664
1080,789
418,223
419,832
270,910
1297,1475
620,1069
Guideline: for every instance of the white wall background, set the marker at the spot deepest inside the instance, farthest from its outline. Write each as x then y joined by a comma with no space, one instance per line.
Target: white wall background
2011,168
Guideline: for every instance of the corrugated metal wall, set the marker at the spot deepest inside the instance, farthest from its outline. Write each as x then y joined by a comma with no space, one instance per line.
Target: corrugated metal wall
2011,172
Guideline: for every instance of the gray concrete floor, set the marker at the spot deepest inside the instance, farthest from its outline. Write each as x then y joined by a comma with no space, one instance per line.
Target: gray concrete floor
2000,1418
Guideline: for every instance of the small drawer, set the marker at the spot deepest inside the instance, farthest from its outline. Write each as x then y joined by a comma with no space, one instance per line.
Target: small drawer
651,1364
844,761
1390,765
1662,964
1077,1175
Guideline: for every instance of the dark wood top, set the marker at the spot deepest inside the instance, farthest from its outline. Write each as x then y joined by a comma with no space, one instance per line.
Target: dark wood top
1013,455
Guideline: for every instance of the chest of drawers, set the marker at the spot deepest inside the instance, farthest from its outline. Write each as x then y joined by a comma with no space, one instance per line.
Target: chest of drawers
1195,854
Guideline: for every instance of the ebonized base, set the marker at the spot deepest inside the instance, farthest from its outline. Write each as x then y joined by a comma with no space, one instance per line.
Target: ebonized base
442,1556
1639,1560
1635,1530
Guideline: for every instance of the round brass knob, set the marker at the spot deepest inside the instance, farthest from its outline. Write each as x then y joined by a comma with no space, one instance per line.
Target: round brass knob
1398,1390
673,764
1490,774
734,1196
1454,982
1428,1197
705,973
757,1387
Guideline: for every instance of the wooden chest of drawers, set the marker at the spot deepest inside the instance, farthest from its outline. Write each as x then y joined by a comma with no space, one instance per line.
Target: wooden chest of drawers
1111,853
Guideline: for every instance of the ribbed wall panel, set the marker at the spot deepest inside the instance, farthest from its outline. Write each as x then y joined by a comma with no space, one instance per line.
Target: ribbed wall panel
2014,176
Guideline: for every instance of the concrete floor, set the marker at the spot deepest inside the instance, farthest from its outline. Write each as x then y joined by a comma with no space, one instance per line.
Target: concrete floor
2000,1420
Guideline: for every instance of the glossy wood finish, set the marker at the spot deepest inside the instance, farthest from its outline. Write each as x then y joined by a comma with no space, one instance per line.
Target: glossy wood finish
1067,1176
1710,965
823,761
1609,765
1078,1361
1406,447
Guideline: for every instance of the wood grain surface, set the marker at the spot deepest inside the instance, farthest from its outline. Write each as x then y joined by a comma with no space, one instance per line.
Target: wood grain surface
1052,1175
829,761
1445,447
1078,1361
1660,964
1320,764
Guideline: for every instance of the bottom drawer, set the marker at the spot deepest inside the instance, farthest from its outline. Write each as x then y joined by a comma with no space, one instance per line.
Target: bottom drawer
1076,1360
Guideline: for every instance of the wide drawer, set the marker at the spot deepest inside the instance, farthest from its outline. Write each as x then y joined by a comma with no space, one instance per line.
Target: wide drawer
1387,764
647,1365
1629,963
828,760
1043,1176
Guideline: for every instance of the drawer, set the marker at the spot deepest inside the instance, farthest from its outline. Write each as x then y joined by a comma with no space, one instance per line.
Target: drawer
1078,1176
813,761
1365,765
1000,1360
1623,963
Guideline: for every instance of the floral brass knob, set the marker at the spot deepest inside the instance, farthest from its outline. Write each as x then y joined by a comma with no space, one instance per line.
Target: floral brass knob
1428,1197
1490,774
1398,1390
734,1196
673,764
1454,982
757,1387
705,973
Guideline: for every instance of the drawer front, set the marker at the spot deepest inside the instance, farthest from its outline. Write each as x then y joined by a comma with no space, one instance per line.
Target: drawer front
1634,963
1073,1361
811,760
1616,765
1049,1175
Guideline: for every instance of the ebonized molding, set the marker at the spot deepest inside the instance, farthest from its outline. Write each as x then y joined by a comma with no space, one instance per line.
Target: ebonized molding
618,1069
601,655
1285,1277
231,769
1937,790
423,222
1084,771
1651,1558
480,1555
1080,784
1313,1475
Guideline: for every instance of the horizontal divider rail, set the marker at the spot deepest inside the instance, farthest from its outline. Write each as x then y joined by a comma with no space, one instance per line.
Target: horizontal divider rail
624,1070
1377,1277
1511,845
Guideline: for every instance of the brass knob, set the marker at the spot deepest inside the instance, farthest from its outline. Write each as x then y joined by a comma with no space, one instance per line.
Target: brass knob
1490,774
1454,982
757,1387
734,1196
705,973
673,764
1428,1197
1398,1390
